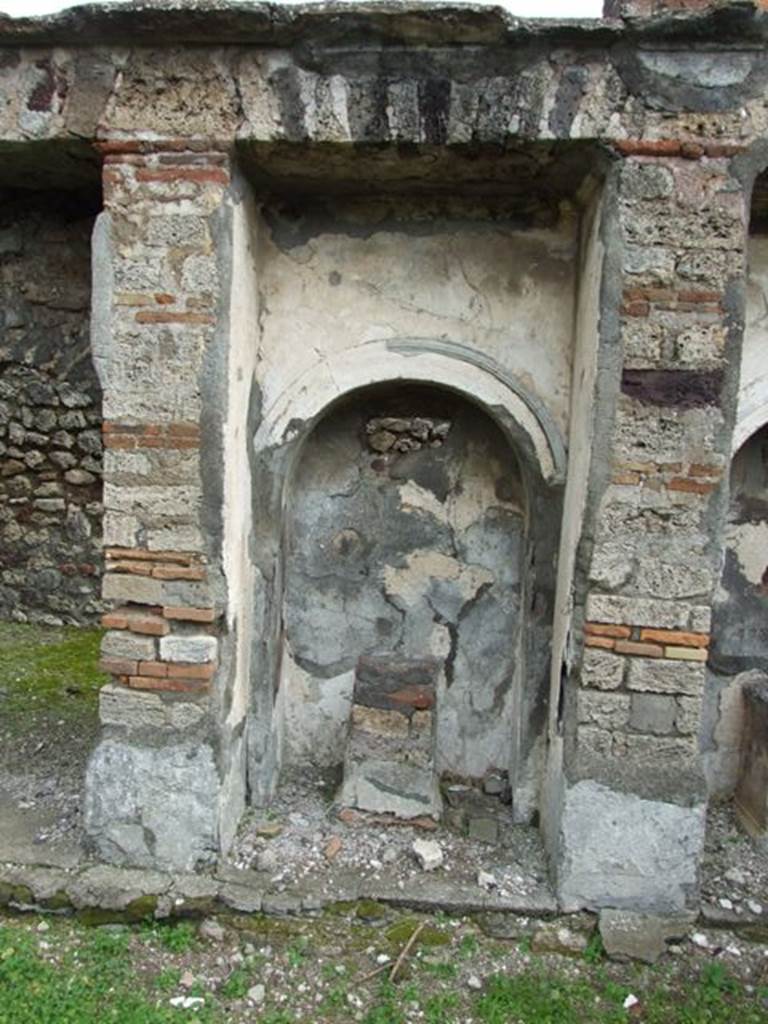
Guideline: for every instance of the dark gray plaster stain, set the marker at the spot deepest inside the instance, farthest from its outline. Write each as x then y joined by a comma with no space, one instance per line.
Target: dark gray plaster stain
349,525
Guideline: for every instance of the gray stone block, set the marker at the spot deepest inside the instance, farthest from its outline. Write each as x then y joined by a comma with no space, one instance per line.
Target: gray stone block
623,851
384,787
634,936
196,650
653,712
153,806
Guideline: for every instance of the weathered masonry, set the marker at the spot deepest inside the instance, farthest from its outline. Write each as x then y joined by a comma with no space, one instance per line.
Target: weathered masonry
429,349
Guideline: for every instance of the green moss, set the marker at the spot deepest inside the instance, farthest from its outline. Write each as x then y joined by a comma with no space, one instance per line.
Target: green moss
341,908
59,901
141,909
15,894
370,910
400,932
42,668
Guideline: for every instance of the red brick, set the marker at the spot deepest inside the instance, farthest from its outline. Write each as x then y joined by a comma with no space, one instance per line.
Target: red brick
157,669
114,620
680,483
148,625
676,637
638,649
150,316
705,469
178,572
606,642
638,308
118,666
168,685
190,614
648,147
414,696
213,175
136,568
180,670
145,555
691,150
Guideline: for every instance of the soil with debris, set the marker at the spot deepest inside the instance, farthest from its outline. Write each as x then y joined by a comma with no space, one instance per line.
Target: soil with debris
305,840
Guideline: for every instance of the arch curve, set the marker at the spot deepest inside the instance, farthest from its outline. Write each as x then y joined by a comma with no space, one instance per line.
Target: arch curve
522,416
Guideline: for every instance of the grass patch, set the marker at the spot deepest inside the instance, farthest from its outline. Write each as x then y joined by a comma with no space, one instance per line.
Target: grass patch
45,668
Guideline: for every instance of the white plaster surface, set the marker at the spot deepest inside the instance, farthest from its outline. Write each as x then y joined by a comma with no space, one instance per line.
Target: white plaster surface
752,410
504,293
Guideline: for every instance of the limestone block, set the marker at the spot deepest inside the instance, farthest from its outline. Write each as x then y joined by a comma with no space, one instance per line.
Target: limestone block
653,712
642,611
128,589
379,722
152,806
604,710
624,851
385,787
630,935
122,644
656,675
602,670
195,650
134,709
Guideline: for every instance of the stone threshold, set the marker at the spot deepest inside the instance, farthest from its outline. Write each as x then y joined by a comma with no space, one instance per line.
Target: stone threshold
102,892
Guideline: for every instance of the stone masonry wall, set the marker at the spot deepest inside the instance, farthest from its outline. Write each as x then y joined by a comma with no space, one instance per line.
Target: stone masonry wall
50,415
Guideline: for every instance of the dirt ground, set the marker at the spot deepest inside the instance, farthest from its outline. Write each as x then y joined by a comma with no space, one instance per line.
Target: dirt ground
314,968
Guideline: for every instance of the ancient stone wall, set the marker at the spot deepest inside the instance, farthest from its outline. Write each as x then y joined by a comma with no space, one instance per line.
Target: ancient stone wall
235,306
50,414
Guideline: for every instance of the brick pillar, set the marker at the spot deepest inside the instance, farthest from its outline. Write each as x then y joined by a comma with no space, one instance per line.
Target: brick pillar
633,833
153,782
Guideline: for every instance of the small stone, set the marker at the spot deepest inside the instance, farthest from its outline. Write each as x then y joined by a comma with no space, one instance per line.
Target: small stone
389,855
187,1002
332,848
256,994
267,860
79,477
735,875
486,880
43,926
383,958
428,853
382,441
725,903
700,940
483,828
474,983
211,930
269,829
754,907
553,938
187,980
494,783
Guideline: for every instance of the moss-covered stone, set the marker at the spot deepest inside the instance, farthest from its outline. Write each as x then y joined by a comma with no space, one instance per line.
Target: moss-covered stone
400,932
371,910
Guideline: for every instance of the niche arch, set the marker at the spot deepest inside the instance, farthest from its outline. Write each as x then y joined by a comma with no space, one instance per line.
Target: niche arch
352,390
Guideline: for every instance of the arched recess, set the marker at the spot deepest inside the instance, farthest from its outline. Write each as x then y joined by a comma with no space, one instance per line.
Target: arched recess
740,612
319,426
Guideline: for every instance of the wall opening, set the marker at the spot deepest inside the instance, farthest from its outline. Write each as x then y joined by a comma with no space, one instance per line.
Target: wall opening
406,537
50,412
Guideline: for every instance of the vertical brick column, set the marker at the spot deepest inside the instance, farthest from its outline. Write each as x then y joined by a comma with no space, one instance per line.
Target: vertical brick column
154,783
655,559
164,294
